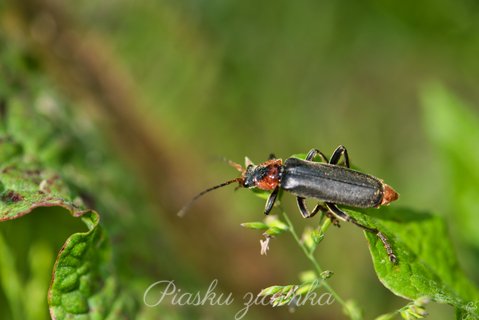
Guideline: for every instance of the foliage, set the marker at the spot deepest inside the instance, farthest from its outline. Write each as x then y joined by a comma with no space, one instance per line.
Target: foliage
283,77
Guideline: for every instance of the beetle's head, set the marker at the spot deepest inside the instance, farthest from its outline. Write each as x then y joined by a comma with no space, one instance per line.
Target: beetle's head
250,176
265,176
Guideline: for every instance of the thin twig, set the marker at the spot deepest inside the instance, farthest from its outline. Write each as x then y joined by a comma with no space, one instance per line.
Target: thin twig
311,258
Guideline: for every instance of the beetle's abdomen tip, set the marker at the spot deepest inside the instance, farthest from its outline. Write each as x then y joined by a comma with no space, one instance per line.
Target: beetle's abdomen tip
389,195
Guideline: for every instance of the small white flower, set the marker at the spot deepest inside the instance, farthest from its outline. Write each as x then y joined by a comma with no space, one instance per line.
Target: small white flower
265,245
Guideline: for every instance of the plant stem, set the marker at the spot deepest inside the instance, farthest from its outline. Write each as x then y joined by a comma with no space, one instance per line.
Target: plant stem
311,258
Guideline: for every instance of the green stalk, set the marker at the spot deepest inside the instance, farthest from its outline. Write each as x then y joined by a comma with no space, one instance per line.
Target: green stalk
311,258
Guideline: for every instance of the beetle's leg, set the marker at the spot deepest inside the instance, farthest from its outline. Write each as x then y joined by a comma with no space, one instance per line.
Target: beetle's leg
271,156
271,199
344,216
333,218
315,152
340,151
305,212
319,207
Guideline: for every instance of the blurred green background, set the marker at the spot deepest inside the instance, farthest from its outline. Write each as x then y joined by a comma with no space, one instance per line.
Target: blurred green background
149,96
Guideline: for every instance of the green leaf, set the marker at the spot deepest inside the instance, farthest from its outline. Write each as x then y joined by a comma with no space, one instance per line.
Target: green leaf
275,222
270,290
326,274
26,187
413,310
273,231
255,225
83,280
306,287
311,238
427,265
280,295
84,283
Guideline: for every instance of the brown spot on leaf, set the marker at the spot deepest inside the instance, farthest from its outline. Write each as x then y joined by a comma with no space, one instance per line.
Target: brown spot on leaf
12,196
8,169
33,172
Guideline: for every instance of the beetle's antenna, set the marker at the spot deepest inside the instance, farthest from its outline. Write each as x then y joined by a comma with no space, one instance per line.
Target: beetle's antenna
235,165
183,210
